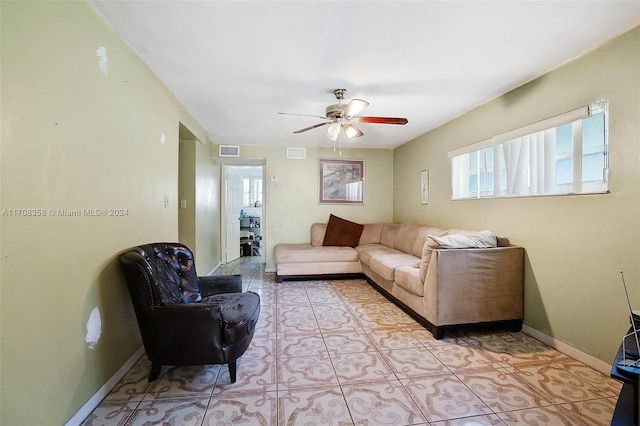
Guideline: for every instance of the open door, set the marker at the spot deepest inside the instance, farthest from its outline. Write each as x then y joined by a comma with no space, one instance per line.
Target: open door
233,204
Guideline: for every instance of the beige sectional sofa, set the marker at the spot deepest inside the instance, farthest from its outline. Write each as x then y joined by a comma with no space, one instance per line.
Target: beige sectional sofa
441,277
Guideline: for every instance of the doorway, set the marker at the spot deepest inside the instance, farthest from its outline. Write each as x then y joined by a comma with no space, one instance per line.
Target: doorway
243,211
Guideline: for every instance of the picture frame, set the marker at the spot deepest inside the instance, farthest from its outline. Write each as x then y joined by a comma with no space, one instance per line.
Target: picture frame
341,181
424,187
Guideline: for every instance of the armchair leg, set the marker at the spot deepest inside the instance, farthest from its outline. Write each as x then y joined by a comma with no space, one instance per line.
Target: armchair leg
232,370
155,371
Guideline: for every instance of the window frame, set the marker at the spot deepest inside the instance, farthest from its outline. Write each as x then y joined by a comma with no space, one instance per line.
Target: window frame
538,141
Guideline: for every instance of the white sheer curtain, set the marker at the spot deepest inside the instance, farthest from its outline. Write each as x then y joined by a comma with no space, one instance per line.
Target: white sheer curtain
527,172
460,177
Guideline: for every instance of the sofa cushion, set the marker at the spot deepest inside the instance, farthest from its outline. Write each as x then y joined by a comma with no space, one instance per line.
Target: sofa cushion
406,237
466,239
388,235
421,238
306,253
342,232
317,233
408,277
371,233
385,264
367,251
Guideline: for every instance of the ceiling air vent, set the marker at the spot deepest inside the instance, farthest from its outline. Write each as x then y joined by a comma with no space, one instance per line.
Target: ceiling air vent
229,151
296,153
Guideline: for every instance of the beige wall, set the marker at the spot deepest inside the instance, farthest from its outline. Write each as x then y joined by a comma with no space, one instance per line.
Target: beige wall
291,203
575,245
187,193
207,214
75,137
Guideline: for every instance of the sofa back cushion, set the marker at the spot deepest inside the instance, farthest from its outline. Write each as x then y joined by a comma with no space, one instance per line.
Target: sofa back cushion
421,238
317,233
371,233
406,237
388,235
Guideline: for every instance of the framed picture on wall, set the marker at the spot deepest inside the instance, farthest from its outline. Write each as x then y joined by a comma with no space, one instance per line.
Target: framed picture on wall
424,187
341,182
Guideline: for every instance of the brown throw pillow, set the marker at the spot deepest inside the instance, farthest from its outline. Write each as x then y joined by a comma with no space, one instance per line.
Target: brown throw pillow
341,232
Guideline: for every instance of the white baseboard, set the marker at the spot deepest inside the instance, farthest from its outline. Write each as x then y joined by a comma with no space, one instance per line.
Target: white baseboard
95,400
270,269
215,268
595,363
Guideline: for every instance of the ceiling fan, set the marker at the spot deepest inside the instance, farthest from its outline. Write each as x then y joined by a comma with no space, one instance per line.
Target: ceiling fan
343,116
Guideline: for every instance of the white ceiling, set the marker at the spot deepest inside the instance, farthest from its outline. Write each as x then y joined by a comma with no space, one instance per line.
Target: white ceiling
235,64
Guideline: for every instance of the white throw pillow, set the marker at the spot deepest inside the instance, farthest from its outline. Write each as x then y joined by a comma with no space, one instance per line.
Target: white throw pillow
467,239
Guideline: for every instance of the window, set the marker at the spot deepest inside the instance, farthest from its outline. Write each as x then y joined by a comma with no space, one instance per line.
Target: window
252,192
566,154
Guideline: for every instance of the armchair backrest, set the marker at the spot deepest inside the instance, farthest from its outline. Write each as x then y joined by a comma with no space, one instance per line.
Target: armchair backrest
166,269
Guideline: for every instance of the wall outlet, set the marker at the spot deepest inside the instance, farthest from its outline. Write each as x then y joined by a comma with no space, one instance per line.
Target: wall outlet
166,201
183,204
274,178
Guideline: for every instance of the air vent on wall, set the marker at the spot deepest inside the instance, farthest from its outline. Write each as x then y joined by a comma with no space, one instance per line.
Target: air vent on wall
297,153
229,151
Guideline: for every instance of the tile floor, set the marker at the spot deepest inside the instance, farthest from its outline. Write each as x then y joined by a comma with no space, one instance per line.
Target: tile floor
338,353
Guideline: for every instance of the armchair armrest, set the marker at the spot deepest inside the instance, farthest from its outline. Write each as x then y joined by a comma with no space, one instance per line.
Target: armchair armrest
217,284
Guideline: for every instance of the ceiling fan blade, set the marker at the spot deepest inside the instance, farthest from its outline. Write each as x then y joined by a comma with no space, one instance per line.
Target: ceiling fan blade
354,107
351,131
381,120
312,127
302,115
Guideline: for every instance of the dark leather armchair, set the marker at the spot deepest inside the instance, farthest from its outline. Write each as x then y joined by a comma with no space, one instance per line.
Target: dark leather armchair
185,319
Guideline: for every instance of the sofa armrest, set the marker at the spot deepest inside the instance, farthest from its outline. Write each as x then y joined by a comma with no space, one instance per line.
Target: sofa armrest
475,285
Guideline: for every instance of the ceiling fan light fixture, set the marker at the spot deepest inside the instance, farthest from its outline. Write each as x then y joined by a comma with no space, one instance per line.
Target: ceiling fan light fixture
351,131
333,131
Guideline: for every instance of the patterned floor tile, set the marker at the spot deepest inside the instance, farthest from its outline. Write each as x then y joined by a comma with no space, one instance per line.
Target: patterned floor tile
444,398
291,345
341,342
242,408
171,411
490,420
184,381
319,406
114,413
324,296
502,391
134,385
557,384
306,372
413,362
377,319
464,358
361,367
541,416
596,379
519,353
381,404
262,347
386,338
251,375
594,412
